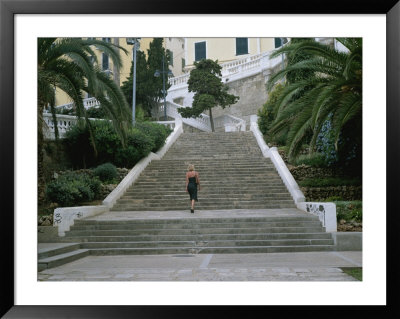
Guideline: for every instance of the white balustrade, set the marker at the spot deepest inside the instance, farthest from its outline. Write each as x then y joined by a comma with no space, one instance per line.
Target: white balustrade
202,122
170,124
254,63
230,123
64,123
87,103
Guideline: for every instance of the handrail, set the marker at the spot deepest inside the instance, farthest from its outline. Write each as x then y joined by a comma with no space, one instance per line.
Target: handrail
87,103
202,122
64,123
230,123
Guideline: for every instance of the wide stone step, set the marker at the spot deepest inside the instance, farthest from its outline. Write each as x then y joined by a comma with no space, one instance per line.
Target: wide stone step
133,226
212,164
211,172
209,250
203,243
53,251
197,220
200,207
217,218
211,185
208,237
205,192
237,178
61,259
139,198
205,231
204,202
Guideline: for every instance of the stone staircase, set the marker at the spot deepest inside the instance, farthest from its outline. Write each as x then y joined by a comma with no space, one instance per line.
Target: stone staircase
243,207
233,175
213,235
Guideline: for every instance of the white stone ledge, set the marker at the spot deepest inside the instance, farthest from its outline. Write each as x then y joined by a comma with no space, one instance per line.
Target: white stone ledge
278,162
325,211
64,217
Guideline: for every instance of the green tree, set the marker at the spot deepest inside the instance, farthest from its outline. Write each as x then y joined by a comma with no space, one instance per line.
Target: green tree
156,53
331,90
205,81
70,65
148,87
143,92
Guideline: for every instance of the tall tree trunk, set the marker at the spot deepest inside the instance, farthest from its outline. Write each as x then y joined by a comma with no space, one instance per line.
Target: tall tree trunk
211,121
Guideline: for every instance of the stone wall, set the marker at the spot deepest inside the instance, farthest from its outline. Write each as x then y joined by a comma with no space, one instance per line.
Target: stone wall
305,171
347,193
252,93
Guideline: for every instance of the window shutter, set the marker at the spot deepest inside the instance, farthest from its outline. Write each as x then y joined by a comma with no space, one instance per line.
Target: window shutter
105,61
242,46
200,51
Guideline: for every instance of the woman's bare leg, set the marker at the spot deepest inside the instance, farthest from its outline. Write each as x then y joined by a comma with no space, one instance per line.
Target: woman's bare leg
192,203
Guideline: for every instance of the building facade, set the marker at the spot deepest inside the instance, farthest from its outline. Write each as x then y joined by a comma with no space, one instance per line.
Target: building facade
176,47
225,49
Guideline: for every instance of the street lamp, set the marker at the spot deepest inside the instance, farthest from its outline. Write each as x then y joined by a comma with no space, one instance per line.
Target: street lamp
157,74
136,45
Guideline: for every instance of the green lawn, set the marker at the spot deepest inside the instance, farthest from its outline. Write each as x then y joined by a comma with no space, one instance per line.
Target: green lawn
355,272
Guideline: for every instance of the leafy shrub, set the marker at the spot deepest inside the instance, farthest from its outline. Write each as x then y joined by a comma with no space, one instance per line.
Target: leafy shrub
141,140
106,172
329,181
157,132
349,210
326,143
314,159
333,199
71,189
96,112
267,113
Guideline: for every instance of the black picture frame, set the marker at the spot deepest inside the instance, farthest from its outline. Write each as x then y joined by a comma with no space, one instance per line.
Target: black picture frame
9,8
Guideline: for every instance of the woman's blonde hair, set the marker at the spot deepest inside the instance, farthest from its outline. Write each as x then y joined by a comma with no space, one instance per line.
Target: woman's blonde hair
191,167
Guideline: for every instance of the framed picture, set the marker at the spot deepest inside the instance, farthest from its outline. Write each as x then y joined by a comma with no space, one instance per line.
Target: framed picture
63,18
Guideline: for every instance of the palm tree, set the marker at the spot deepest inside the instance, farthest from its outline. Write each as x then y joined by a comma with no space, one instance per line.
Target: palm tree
70,64
331,91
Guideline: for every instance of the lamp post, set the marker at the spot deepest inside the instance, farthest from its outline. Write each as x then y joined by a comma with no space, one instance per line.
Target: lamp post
157,74
135,43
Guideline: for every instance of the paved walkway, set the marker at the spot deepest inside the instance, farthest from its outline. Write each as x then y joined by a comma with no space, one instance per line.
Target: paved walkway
309,266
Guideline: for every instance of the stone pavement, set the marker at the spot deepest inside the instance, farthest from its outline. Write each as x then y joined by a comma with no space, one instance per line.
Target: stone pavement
299,266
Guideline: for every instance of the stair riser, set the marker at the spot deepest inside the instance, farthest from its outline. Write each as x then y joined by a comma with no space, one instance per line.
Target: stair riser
57,251
61,261
208,250
200,220
194,226
195,231
177,198
309,236
206,244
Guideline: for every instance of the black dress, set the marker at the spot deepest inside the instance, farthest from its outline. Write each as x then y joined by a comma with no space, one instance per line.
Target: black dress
192,188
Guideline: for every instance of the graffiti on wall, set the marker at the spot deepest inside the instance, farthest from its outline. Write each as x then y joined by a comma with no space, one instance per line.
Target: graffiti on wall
317,209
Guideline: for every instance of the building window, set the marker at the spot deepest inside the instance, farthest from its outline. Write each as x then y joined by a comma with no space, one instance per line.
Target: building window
199,51
242,46
105,60
104,64
280,41
171,57
183,64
